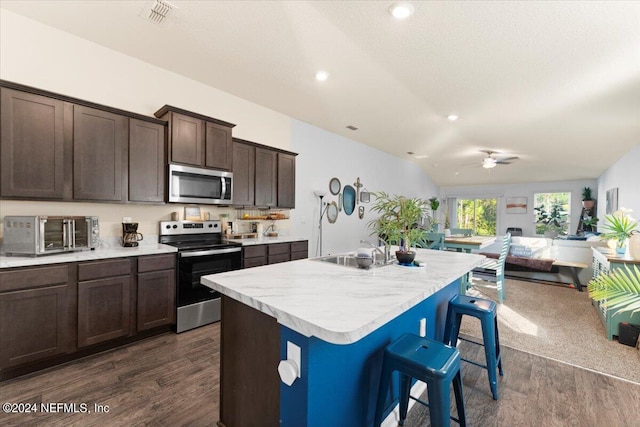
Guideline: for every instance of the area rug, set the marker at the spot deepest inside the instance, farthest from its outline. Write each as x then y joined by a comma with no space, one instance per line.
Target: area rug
559,323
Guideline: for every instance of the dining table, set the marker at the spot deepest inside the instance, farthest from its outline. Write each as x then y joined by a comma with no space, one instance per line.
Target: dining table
468,243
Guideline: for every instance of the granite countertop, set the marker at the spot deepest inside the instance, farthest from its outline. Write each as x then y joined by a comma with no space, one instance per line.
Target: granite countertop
267,240
105,251
340,304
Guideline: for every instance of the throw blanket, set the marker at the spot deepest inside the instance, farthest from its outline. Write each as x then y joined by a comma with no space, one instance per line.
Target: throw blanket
540,264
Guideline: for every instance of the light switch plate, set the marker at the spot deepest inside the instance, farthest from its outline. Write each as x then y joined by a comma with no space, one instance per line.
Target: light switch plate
294,354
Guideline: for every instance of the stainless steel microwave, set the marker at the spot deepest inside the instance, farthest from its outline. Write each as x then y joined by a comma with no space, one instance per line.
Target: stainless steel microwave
43,235
198,185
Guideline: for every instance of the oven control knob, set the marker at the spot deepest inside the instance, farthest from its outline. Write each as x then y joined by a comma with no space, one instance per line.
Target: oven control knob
210,225
168,227
175,226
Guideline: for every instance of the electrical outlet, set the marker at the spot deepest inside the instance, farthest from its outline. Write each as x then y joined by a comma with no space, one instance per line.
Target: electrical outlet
423,327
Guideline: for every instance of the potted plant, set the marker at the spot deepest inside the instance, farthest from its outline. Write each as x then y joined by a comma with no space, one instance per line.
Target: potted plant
619,290
590,223
551,220
620,225
587,200
398,222
434,204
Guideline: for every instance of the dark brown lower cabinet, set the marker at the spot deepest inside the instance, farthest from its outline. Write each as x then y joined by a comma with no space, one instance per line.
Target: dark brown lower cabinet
104,301
254,256
257,255
103,310
37,323
156,291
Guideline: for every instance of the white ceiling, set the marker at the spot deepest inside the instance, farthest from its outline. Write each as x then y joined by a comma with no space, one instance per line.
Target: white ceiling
555,83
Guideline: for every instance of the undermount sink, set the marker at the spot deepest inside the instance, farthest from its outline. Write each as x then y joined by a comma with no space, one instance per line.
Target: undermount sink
348,261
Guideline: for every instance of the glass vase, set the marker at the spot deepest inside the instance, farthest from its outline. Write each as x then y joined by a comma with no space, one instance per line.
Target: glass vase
621,246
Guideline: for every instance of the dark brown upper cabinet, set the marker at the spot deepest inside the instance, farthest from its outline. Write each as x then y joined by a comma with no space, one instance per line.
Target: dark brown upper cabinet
266,177
99,152
197,140
54,147
286,180
244,172
31,146
218,147
146,161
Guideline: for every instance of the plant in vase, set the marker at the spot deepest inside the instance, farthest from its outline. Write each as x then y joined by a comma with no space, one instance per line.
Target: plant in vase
590,223
619,290
587,199
551,220
398,223
619,226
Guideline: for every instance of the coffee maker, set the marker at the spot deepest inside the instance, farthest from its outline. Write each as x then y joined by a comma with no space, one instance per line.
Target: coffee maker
130,235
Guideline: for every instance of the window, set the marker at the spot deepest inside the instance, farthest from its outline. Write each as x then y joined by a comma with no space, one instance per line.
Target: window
552,212
477,214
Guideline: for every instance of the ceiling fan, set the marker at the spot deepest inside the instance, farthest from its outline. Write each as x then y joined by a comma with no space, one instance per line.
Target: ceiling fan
491,162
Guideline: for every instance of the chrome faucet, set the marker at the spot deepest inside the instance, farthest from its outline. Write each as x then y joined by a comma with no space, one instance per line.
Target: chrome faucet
386,253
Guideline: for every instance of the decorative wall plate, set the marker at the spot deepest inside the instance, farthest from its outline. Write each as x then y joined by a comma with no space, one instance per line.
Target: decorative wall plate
348,199
334,186
332,212
360,212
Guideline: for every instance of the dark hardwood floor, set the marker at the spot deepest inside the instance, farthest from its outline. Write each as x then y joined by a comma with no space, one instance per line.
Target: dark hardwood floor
173,380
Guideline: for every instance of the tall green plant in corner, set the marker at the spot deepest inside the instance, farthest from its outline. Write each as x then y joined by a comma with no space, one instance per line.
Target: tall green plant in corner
399,219
619,290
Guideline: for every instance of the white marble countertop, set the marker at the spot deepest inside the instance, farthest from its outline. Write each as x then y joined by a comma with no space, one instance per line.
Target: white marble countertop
267,240
105,251
340,304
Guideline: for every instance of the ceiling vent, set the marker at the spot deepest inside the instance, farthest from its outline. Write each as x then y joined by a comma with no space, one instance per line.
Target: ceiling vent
157,11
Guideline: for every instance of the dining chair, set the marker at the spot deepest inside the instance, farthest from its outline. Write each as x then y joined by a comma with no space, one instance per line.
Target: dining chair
494,268
431,241
463,231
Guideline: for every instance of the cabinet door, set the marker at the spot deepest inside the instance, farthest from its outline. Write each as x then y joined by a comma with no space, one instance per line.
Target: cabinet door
218,147
244,169
34,325
31,146
187,140
103,310
286,181
146,161
266,177
156,299
99,154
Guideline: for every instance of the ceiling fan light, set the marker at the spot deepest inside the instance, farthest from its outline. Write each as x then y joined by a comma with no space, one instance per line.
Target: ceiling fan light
489,163
401,10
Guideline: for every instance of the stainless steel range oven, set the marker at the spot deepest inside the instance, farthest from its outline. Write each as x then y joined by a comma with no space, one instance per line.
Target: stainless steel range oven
201,251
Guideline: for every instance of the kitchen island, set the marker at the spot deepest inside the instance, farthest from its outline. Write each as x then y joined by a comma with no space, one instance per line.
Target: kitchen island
341,318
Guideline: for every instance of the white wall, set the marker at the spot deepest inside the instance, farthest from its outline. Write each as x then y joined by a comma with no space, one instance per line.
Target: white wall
625,175
324,155
525,221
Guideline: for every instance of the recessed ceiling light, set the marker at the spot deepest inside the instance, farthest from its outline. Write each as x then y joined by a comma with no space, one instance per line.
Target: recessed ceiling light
322,75
401,10
452,117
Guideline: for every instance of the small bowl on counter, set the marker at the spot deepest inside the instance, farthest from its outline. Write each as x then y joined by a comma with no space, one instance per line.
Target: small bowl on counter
364,261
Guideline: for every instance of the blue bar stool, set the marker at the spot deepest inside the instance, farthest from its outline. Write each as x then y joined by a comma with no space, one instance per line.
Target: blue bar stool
485,310
436,364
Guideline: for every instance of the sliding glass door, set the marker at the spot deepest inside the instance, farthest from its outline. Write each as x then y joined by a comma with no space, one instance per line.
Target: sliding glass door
480,215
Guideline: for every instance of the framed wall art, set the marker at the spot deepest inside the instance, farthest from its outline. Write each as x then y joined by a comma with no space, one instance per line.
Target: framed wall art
516,205
612,200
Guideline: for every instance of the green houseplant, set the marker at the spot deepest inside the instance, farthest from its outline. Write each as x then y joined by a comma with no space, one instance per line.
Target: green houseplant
587,199
398,222
620,225
551,219
619,290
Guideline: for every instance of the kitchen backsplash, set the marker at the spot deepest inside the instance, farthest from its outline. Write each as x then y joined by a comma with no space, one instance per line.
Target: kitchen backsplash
110,215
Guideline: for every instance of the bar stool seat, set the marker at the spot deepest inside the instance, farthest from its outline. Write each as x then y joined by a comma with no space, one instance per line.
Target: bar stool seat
485,310
436,364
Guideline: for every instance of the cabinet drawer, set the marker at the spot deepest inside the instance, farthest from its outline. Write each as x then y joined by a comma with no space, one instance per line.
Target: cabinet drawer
100,269
255,251
300,246
274,259
299,255
255,262
156,262
33,277
279,248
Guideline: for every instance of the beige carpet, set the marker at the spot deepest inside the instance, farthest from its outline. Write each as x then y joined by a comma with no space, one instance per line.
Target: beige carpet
559,323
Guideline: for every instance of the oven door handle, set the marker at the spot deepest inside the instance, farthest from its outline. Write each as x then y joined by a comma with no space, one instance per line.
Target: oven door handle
190,254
